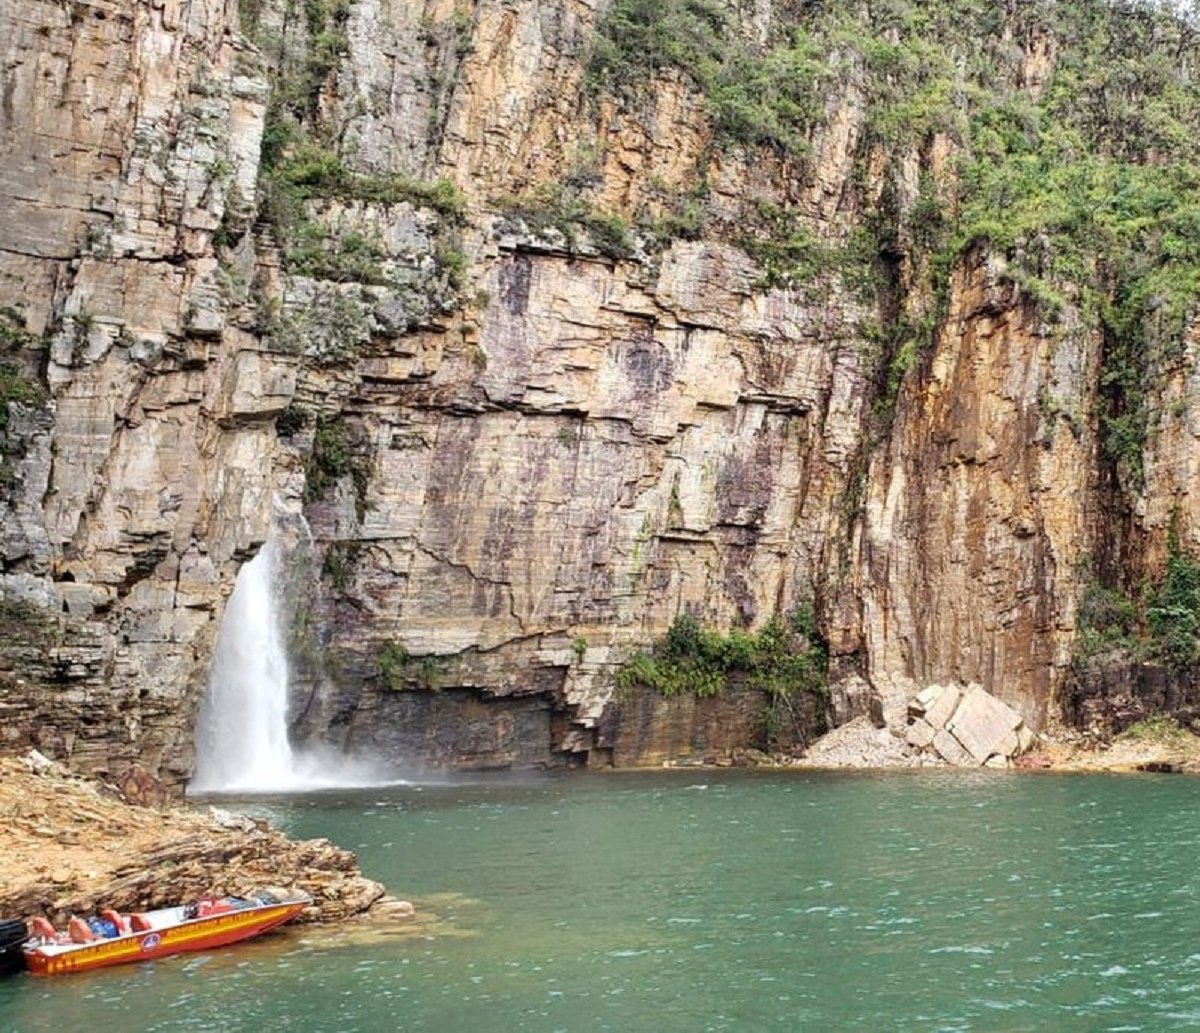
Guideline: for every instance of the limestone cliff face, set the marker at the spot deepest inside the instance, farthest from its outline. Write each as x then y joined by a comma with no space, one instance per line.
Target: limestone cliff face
519,452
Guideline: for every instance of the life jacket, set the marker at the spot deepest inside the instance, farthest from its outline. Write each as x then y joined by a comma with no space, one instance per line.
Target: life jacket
102,927
40,928
212,906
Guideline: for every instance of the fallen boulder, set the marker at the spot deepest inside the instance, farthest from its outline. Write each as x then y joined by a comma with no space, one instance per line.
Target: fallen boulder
967,727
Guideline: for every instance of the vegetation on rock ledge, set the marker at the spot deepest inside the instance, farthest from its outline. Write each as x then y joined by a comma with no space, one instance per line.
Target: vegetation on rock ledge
1086,186
1157,729
401,670
560,209
16,387
1161,624
300,163
333,457
785,656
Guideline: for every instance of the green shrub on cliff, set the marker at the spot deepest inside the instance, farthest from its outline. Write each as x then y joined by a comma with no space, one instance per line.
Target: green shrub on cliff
16,387
311,249
334,455
783,657
1087,184
757,97
297,169
400,670
393,662
771,99
1157,729
315,171
299,162
341,559
1108,620
561,209
1173,612
636,39
1160,624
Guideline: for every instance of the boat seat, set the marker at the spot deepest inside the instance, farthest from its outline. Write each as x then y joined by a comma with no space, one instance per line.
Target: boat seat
139,923
118,920
210,906
78,930
42,929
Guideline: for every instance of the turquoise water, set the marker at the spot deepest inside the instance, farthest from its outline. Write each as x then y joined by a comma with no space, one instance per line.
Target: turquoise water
710,901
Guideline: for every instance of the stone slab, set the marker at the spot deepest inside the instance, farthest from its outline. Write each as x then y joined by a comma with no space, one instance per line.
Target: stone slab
1026,739
952,751
943,706
1008,746
920,733
927,695
982,722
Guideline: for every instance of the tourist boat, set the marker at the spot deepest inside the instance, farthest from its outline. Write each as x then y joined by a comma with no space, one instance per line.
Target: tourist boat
113,939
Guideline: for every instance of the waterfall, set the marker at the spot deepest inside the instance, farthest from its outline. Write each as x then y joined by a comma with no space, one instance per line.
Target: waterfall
242,731
242,740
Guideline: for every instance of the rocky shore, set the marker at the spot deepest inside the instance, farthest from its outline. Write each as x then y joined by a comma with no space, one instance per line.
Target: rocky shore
1176,751
72,845
1154,746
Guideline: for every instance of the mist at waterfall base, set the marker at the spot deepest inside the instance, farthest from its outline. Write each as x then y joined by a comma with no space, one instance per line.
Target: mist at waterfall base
242,741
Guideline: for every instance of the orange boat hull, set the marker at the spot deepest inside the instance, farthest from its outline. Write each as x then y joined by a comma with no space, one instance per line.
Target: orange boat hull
195,935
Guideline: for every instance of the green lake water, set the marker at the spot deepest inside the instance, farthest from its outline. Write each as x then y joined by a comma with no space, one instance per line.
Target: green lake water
695,901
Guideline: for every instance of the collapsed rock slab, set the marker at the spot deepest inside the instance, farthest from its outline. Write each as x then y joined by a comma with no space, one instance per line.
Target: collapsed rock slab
951,750
920,733
943,706
967,727
985,725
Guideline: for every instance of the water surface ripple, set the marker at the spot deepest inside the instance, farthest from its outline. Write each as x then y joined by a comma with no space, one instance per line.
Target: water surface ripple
702,901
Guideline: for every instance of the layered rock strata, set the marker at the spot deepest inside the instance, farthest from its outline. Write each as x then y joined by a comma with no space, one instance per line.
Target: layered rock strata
519,452
129,133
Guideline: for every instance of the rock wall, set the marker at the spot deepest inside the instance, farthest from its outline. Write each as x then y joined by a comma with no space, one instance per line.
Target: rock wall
519,453
978,509
128,132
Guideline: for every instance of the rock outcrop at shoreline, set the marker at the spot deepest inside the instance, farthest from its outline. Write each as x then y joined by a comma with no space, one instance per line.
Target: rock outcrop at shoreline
71,845
966,727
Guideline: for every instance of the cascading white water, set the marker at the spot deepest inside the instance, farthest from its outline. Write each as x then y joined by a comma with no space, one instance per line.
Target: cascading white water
242,733
242,740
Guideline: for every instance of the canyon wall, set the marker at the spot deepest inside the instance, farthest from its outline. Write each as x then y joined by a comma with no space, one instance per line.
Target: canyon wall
508,440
